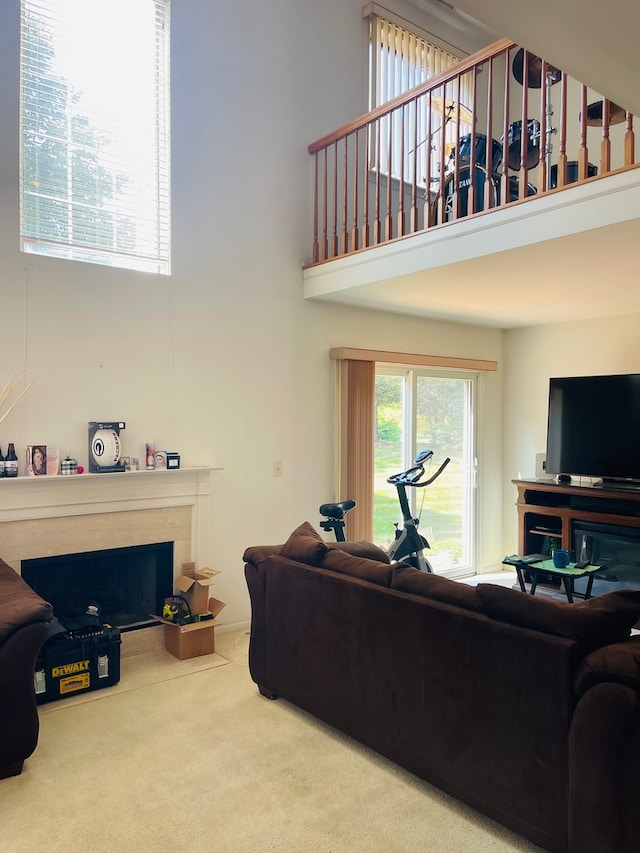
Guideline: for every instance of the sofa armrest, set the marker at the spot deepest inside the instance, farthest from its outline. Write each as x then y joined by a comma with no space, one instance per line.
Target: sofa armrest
617,663
19,724
256,584
23,628
19,604
604,782
257,553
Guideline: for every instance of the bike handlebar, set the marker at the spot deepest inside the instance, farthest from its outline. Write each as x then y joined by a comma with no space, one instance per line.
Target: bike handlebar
411,477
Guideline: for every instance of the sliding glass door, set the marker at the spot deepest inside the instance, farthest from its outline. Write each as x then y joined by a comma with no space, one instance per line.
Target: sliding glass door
415,410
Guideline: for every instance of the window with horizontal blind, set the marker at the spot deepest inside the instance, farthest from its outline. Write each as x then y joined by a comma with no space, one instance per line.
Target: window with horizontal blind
401,57
94,131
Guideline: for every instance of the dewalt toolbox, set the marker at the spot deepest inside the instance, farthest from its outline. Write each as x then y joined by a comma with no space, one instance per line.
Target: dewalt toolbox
76,661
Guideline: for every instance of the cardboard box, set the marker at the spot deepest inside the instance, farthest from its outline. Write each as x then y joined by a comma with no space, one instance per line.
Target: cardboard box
193,584
190,641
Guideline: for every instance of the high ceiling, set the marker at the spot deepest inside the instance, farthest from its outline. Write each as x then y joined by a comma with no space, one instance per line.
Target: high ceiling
578,275
594,42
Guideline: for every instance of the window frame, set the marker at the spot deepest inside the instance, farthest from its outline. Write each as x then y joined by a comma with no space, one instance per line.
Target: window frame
87,191
411,375
355,411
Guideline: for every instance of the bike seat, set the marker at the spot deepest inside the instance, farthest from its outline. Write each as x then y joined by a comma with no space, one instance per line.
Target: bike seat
337,510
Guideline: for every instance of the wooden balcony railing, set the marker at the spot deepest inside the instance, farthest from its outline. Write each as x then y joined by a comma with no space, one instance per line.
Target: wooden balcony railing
427,158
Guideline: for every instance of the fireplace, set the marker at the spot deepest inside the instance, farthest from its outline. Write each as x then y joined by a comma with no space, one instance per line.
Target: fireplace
614,547
53,517
128,584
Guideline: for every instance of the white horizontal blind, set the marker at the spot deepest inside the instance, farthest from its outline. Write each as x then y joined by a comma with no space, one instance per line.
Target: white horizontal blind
401,59
94,131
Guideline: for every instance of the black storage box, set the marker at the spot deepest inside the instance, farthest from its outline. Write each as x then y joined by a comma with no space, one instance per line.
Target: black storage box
77,661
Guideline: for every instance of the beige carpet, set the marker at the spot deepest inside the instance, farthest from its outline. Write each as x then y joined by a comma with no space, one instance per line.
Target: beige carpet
201,762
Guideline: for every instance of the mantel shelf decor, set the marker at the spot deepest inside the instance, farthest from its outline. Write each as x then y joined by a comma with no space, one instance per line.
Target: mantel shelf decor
7,405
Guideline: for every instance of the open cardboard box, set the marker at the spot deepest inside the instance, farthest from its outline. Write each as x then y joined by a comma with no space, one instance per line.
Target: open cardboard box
193,584
190,641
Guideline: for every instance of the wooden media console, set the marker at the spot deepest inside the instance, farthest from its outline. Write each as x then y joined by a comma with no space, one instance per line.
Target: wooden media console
607,517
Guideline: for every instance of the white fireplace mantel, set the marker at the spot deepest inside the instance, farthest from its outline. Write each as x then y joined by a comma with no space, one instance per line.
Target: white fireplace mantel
82,494
52,514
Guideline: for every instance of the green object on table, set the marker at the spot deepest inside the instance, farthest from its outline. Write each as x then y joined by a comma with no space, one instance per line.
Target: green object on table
570,570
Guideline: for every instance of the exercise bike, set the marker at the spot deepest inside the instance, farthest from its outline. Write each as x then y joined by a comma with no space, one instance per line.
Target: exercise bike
408,544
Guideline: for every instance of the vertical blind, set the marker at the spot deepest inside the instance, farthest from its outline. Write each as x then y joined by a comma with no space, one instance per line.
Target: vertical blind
356,443
399,60
402,59
94,131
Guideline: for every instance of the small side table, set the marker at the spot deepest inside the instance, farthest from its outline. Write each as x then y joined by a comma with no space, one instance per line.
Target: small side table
546,568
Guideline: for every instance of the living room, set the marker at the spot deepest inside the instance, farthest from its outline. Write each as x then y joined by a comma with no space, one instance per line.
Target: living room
224,360
169,354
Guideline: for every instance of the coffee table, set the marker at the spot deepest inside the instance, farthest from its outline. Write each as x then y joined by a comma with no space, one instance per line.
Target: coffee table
546,568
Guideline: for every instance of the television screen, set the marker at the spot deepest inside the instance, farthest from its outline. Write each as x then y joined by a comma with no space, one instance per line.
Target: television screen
593,426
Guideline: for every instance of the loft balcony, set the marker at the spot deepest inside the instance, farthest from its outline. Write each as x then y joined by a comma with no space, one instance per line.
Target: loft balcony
478,195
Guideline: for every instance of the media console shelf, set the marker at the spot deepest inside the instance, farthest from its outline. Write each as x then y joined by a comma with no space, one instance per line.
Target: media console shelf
550,509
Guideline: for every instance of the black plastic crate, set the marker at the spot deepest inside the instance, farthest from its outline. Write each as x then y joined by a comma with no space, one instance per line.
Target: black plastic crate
76,662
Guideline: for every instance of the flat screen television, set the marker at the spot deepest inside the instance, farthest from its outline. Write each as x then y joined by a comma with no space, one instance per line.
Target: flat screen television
593,428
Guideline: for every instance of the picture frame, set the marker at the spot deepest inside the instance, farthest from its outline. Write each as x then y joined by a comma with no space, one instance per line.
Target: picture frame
36,458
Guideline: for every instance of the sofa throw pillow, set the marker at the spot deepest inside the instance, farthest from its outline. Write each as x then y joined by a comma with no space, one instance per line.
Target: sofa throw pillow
361,549
596,622
408,579
358,567
305,545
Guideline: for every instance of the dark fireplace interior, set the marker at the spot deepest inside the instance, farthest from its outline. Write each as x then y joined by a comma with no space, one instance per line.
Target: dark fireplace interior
128,584
615,548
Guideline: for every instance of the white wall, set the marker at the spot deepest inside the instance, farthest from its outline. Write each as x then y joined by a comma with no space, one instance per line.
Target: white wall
532,356
223,361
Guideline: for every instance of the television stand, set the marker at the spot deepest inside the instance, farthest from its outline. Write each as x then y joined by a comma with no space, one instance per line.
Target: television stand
554,514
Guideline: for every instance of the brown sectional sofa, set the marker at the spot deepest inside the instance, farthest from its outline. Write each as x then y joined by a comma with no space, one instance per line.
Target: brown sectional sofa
24,618
524,708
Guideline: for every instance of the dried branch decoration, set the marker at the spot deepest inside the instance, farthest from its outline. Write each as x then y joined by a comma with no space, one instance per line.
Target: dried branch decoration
5,396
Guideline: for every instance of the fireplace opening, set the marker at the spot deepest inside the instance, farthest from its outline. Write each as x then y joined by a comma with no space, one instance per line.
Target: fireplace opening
129,584
615,548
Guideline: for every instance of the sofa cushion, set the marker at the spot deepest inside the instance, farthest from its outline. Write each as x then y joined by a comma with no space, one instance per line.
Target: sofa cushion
359,567
596,622
408,579
305,545
361,548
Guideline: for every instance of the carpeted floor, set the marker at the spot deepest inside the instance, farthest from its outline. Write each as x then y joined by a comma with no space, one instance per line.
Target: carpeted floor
199,761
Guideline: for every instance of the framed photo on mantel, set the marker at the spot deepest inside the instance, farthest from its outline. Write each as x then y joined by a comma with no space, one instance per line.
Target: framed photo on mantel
36,459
